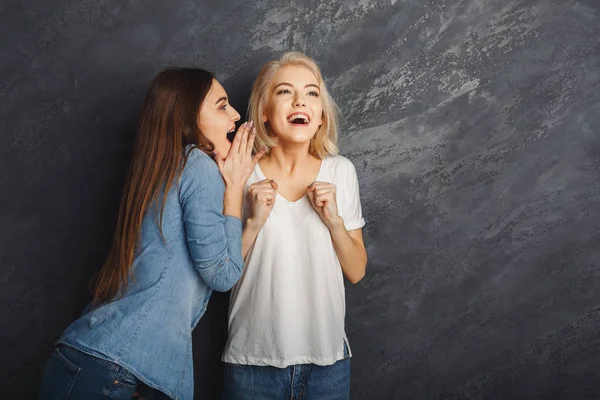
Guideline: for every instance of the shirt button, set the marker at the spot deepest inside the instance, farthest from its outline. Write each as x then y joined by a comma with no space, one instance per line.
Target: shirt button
116,382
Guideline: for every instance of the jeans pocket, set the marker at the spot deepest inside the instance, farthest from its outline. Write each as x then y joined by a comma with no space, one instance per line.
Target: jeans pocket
125,378
61,357
58,378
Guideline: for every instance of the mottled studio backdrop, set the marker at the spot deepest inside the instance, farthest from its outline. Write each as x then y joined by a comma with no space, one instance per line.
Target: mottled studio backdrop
475,129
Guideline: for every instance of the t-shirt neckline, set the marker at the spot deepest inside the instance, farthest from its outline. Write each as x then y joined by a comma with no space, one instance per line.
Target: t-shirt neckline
262,176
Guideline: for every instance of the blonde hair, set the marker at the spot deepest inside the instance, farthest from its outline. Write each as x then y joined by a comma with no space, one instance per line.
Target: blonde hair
324,142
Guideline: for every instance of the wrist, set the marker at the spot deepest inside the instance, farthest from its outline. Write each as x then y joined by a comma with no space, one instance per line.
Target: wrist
232,202
254,224
336,223
234,190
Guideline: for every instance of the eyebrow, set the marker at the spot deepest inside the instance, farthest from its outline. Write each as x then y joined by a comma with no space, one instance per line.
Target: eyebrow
221,99
290,85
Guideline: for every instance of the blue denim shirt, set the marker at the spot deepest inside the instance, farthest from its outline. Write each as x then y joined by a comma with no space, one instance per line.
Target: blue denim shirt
149,330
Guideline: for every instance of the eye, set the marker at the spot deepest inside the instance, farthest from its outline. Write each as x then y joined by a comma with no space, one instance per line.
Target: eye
313,93
283,91
223,107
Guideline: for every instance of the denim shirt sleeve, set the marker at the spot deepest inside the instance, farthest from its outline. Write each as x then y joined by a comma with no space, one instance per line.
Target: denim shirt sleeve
214,240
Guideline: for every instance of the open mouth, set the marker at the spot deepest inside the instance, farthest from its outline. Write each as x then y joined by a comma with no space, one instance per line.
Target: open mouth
298,119
231,134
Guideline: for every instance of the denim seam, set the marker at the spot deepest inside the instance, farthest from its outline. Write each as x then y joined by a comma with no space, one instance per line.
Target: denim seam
69,365
177,388
292,383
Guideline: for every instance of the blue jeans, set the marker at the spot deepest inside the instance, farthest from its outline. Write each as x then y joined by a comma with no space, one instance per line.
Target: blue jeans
296,382
72,374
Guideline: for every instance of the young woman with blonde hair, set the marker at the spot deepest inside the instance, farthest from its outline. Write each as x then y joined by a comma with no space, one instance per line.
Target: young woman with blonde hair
302,233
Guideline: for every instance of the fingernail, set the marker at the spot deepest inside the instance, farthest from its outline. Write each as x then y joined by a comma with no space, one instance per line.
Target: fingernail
244,124
251,123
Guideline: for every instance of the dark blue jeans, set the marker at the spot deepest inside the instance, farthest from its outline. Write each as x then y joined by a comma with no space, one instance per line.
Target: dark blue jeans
72,374
296,382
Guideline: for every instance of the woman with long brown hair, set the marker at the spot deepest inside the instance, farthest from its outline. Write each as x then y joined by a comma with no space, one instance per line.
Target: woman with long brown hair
178,238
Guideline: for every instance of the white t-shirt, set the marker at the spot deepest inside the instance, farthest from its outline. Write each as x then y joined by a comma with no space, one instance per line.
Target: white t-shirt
289,306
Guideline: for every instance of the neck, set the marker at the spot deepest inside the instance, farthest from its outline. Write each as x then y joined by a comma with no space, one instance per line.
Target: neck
288,156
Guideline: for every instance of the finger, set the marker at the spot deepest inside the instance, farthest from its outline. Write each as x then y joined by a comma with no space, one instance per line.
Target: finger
311,187
311,197
235,145
244,141
321,192
266,197
263,192
323,197
258,156
250,144
247,144
324,185
261,182
264,184
274,185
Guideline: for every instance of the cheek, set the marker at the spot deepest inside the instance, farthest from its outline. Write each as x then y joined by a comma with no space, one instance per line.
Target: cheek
272,112
319,113
205,127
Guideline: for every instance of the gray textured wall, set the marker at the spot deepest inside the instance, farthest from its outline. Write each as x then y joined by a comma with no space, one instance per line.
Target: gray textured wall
474,127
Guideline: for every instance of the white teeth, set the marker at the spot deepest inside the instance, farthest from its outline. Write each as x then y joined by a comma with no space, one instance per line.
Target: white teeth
298,116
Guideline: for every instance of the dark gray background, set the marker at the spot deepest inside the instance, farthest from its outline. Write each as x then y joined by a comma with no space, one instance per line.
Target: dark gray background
474,127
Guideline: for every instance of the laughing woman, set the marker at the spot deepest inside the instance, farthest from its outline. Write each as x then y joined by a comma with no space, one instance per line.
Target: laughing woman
302,234
178,238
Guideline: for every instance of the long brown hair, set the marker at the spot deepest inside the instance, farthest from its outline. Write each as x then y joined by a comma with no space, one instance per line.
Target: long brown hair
167,124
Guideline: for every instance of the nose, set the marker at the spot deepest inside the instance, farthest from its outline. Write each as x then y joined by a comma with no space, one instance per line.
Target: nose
235,116
299,100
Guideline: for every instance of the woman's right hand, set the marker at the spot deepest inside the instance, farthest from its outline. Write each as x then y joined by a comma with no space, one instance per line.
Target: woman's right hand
262,195
239,164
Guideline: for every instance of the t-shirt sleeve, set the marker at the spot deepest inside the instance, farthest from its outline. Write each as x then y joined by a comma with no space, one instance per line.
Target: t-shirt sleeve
351,210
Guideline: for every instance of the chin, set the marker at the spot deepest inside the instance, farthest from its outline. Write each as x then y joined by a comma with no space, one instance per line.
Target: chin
301,139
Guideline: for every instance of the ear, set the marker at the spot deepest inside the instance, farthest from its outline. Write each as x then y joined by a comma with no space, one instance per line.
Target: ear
264,115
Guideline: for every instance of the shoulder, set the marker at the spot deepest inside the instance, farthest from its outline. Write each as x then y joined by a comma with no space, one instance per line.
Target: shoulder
340,165
199,165
200,175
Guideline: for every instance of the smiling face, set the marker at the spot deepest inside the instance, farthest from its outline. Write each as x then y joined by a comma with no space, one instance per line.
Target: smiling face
217,118
294,110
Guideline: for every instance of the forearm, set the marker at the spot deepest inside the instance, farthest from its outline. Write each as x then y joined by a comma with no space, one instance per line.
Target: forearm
249,235
217,255
352,255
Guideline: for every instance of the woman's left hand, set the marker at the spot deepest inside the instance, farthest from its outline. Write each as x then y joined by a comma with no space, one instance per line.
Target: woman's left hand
322,196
